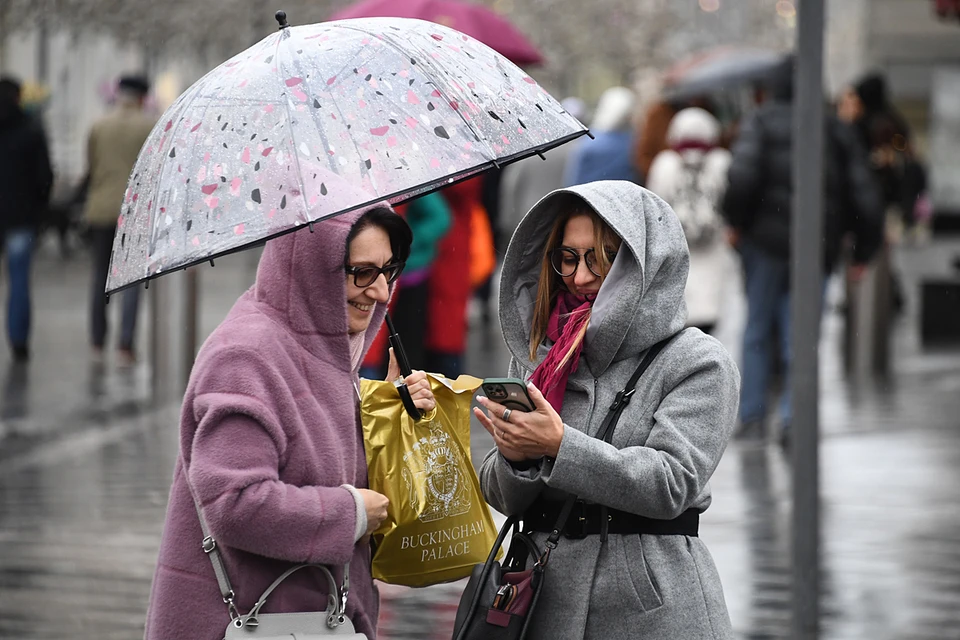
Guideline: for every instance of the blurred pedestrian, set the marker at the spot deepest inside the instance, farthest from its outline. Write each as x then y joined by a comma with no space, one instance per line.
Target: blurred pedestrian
26,178
607,156
450,286
525,182
652,137
593,279
758,206
691,176
483,247
885,134
271,451
112,149
429,218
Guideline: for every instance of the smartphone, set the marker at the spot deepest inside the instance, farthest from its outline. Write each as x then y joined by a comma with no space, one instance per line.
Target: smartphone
510,392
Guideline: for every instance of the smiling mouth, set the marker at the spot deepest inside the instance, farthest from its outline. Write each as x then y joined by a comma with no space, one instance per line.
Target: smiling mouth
366,308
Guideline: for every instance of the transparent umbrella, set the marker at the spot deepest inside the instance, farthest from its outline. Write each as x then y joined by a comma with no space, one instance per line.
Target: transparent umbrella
318,120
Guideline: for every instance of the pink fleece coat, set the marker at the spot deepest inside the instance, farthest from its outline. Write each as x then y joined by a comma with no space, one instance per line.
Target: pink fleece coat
269,430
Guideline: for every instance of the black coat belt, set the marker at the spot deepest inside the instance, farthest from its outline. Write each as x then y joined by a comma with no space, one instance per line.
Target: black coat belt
587,519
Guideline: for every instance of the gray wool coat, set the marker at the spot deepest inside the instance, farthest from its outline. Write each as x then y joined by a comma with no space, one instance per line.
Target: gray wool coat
666,446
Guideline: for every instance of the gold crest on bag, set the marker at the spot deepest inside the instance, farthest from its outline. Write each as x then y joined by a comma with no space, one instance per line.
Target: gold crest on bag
438,525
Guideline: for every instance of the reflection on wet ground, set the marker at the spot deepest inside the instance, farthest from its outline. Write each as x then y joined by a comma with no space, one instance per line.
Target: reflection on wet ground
85,465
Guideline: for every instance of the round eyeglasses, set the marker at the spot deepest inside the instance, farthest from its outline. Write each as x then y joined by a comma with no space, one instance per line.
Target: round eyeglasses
565,261
366,276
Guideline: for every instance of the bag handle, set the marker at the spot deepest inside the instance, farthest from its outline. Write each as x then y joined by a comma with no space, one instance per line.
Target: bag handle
335,609
209,546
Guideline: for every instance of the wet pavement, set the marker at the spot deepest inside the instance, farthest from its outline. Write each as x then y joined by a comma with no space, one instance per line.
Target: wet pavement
86,460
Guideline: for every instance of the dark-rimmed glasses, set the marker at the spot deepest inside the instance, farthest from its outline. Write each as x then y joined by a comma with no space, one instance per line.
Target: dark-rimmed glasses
565,261
366,276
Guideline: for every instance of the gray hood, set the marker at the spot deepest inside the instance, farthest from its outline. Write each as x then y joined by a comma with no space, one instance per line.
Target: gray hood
640,303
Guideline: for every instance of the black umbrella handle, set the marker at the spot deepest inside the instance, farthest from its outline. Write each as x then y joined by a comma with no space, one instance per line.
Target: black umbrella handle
405,370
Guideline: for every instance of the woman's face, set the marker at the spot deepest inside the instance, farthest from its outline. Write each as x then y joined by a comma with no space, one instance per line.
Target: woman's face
371,248
579,235
849,106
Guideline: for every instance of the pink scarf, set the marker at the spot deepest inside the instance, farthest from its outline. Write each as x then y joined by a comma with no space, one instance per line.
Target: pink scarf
566,321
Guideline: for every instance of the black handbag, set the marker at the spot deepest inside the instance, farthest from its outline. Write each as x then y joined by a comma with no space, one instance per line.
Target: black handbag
499,600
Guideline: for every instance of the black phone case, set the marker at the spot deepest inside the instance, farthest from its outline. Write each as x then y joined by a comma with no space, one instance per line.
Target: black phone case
512,404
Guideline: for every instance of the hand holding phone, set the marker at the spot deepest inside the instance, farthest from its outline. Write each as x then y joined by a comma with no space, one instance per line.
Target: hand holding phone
536,431
509,392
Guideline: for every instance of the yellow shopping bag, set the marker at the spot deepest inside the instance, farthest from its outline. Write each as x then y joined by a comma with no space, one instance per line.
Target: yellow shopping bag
438,526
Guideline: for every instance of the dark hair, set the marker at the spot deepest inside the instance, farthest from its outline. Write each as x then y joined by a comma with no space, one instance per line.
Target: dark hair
401,237
9,91
138,85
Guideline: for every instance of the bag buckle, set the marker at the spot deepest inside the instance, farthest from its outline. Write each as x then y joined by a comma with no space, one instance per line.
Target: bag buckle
576,525
622,399
209,544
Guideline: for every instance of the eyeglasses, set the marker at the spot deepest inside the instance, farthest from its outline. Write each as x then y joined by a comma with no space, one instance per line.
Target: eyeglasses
565,261
366,276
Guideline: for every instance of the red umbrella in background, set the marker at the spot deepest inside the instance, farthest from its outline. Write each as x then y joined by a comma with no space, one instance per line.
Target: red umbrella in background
474,20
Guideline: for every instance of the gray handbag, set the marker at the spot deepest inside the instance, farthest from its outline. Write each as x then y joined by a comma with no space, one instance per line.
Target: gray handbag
309,625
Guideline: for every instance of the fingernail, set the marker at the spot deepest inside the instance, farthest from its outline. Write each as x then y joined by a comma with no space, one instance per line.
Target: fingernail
482,398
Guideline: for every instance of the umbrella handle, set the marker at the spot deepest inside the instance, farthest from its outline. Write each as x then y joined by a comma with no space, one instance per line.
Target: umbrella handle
405,370
407,401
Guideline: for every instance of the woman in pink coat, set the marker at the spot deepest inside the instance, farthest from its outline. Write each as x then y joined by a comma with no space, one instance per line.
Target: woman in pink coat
270,437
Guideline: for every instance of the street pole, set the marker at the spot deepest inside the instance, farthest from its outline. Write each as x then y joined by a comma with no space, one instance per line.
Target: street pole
807,293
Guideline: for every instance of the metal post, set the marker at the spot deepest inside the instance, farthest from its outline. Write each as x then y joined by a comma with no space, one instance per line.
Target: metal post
159,341
807,293
191,329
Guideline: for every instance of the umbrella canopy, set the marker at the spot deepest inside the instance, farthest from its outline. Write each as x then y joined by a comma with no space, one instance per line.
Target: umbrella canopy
719,69
318,120
474,20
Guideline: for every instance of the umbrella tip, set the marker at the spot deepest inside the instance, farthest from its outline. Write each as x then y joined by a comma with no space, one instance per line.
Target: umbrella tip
281,17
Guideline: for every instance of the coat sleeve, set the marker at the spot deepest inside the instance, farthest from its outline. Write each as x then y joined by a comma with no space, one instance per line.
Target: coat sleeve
42,168
865,215
509,488
745,175
662,479
233,468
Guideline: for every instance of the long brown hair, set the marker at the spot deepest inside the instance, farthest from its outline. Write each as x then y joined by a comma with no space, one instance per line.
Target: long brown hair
550,283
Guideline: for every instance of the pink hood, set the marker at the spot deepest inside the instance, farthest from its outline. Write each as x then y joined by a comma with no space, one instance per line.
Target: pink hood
269,431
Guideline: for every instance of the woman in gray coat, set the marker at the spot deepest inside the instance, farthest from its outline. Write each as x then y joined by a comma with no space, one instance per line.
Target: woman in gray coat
593,277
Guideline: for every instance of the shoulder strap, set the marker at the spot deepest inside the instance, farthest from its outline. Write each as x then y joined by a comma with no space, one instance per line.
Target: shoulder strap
223,580
623,397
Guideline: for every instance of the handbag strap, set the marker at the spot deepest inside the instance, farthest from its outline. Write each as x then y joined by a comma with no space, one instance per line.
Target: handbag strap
210,548
219,569
623,397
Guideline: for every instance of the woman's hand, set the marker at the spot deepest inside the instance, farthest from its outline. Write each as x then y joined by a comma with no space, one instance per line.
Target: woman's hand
417,384
376,505
527,435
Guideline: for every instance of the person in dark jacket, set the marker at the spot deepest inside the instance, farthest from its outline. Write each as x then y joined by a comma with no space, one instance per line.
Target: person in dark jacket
886,136
25,181
758,204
